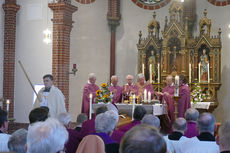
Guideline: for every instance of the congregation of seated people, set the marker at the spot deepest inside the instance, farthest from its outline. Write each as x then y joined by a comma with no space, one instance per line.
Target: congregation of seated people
101,134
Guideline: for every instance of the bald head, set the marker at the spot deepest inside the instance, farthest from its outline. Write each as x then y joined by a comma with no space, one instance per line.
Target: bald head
169,80
129,79
180,125
114,80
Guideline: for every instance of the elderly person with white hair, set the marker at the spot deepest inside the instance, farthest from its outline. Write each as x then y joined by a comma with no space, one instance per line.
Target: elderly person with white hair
17,141
152,120
205,141
105,123
89,88
49,136
143,85
115,89
191,116
130,88
74,136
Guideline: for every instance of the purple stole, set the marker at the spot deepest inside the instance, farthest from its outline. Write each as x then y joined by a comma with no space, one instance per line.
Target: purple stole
117,93
89,88
191,130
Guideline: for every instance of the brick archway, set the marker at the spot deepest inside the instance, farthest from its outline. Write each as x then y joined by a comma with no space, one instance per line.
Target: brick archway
219,2
155,6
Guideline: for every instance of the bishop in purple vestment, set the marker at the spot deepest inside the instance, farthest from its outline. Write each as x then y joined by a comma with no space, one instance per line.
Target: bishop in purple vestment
184,93
115,90
143,85
130,88
90,88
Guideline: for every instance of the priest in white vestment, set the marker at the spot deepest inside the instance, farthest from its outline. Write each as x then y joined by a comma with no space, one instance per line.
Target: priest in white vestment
174,139
205,141
51,97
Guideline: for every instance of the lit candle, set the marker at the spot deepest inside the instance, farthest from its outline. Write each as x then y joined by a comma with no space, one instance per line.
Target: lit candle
149,97
176,85
7,105
158,66
90,105
145,95
143,69
208,74
133,106
190,73
150,73
199,72
74,66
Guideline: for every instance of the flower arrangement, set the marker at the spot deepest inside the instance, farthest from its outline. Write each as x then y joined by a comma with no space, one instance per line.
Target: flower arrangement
197,95
103,94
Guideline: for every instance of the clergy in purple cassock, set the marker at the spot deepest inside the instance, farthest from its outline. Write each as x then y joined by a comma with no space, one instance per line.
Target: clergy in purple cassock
143,85
115,90
184,93
130,88
167,94
90,88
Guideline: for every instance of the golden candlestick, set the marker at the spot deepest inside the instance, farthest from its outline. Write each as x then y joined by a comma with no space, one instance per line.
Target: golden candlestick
176,98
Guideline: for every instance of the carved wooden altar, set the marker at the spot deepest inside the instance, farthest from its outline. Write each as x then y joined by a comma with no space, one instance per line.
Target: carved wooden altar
178,49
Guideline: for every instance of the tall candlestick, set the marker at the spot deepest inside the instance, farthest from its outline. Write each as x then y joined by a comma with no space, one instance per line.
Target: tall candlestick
149,97
90,105
208,74
158,67
145,95
199,72
176,86
190,73
143,69
7,105
150,73
133,106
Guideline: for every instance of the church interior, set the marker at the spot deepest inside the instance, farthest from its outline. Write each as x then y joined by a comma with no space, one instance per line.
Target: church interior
110,37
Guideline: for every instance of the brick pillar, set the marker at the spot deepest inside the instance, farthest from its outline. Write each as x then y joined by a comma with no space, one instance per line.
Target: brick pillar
10,8
62,25
113,17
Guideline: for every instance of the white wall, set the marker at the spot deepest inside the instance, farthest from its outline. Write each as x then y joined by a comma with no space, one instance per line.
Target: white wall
1,47
90,49
35,55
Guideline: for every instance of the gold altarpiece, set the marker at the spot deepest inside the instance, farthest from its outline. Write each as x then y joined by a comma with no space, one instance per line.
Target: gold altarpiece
179,52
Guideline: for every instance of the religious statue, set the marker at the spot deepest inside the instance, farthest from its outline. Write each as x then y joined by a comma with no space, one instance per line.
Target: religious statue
173,58
204,66
152,60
